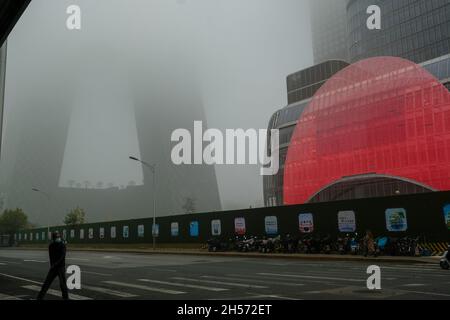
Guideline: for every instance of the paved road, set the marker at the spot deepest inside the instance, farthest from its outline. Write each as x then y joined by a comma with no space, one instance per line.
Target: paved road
164,276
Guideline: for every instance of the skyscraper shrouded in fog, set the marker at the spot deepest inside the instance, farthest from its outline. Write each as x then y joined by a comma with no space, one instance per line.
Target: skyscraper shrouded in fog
329,30
71,135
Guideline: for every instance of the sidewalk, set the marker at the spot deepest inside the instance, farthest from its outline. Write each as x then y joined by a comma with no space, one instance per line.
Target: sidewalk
204,252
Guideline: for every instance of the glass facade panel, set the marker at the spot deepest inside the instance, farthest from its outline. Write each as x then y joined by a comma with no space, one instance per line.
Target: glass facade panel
412,29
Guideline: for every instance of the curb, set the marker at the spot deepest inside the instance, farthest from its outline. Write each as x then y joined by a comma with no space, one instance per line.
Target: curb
309,257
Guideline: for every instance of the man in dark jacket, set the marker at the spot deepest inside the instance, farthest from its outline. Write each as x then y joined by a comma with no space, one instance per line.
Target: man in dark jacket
57,254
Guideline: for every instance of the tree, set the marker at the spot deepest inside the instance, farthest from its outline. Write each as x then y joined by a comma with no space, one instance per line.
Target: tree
189,205
12,221
75,216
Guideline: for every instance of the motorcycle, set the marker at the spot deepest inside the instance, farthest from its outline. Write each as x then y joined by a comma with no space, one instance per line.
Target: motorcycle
381,245
342,245
354,245
215,245
445,260
247,244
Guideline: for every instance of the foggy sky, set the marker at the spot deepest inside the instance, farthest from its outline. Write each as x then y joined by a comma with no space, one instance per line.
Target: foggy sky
236,53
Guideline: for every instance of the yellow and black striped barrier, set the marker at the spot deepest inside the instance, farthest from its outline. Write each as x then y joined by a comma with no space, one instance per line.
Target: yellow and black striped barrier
436,248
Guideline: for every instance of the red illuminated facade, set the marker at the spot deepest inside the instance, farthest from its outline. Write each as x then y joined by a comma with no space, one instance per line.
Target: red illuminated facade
384,118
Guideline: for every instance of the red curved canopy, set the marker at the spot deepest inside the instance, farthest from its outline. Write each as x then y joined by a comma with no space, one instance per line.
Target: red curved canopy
381,115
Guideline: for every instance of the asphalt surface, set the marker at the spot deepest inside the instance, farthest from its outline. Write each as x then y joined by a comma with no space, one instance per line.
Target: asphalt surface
111,275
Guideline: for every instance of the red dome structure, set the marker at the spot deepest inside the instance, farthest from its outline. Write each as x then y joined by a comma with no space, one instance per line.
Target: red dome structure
384,117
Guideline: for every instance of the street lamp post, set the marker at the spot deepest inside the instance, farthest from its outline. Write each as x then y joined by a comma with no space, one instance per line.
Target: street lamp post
152,168
48,205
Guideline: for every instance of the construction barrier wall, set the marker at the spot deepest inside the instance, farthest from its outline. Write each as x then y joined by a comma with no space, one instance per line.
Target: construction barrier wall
426,215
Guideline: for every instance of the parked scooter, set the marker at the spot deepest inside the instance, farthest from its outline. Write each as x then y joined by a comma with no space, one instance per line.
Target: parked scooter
215,244
445,260
354,244
381,244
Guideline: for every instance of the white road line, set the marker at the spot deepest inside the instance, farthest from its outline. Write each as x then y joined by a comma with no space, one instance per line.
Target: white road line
56,293
409,269
244,278
413,285
141,287
112,257
77,259
97,273
109,291
38,261
2,264
252,296
241,285
254,276
193,286
274,296
19,278
10,262
164,270
8,297
428,293
309,277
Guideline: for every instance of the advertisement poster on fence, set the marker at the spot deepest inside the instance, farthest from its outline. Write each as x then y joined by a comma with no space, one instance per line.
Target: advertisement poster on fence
155,230
239,226
447,215
81,234
91,233
140,231
113,232
306,222
125,232
347,221
64,234
102,233
174,229
216,228
271,225
396,220
193,229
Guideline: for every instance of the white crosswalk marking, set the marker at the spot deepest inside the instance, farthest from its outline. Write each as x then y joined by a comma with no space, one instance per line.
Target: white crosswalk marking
109,291
141,287
18,278
241,285
245,278
56,293
8,297
185,285
309,277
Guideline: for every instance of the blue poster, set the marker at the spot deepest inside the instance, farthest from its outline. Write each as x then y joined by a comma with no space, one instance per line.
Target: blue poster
193,229
447,215
396,220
